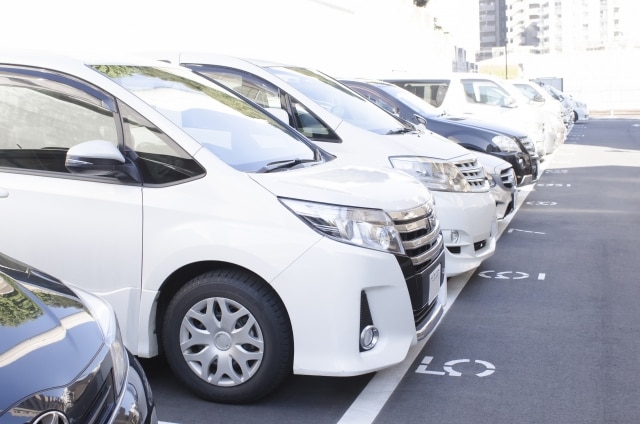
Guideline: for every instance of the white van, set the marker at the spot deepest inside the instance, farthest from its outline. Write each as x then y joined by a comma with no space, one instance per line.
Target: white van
223,239
358,132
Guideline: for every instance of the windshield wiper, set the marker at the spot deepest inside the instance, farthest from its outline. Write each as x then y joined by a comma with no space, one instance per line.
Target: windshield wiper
284,164
400,131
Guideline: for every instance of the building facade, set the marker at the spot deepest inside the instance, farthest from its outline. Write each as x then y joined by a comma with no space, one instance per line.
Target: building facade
556,26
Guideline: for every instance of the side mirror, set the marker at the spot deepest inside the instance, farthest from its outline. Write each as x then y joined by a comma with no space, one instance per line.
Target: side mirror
509,102
279,113
96,157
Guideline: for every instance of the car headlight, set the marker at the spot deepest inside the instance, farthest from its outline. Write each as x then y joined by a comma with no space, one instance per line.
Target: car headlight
370,228
435,174
506,143
106,319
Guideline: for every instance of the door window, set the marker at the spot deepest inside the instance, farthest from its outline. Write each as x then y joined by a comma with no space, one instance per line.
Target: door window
41,118
271,97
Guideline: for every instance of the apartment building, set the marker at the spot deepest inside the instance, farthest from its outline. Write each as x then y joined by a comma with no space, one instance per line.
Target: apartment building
556,26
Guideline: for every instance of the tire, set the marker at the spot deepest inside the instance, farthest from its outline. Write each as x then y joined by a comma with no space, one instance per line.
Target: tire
227,337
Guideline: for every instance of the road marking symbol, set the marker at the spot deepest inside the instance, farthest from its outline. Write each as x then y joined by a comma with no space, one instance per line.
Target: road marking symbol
448,367
503,275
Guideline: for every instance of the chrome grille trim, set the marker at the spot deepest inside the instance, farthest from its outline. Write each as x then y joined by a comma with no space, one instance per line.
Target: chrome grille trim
412,226
426,239
473,173
508,178
419,230
429,254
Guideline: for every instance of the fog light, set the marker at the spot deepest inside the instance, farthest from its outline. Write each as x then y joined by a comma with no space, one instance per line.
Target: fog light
369,337
454,236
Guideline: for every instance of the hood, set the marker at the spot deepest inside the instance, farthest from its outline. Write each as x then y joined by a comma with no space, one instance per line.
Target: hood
367,148
487,124
47,337
366,187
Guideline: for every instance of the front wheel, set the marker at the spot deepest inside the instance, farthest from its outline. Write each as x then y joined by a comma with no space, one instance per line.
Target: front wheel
227,337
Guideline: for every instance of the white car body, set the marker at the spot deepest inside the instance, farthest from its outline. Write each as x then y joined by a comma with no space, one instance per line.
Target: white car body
480,95
136,244
558,120
503,183
536,94
468,219
579,108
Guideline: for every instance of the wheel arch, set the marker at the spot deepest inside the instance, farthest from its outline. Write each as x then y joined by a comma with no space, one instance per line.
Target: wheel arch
179,277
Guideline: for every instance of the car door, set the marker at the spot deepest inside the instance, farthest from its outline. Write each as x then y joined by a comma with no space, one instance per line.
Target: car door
85,229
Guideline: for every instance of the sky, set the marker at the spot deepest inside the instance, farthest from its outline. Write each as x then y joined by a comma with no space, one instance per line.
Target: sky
133,24
461,19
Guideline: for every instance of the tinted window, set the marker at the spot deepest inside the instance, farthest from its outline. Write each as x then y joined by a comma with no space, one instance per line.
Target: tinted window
432,92
40,119
271,97
159,159
338,99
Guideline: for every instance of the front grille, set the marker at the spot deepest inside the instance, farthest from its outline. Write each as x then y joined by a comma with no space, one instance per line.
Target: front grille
419,230
508,177
104,403
90,399
473,173
422,313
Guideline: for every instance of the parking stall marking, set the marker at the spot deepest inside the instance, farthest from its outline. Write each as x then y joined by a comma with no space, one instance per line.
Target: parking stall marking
541,203
511,230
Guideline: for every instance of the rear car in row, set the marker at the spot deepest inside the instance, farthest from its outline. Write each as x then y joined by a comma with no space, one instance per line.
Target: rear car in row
347,125
477,135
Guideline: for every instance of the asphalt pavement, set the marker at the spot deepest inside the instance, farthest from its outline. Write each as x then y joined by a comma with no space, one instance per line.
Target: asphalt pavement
544,331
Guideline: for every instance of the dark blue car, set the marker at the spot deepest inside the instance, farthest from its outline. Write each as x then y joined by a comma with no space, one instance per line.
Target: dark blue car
61,356
476,135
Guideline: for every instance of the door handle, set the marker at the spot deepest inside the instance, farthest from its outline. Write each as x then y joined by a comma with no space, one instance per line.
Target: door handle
3,193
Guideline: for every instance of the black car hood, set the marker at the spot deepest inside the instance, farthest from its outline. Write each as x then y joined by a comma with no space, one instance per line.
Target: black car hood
42,325
483,124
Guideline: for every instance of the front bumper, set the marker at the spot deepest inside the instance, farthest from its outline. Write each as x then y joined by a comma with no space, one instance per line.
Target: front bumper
469,227
323,292
522,165
505,199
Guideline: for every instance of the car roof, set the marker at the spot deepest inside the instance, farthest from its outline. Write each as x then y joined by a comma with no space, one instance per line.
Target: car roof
439,76
75,64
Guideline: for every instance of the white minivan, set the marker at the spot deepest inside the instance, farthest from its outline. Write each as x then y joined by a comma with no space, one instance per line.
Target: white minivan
358,132
224,240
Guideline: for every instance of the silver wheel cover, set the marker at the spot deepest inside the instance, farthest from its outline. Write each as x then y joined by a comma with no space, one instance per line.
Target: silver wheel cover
221,342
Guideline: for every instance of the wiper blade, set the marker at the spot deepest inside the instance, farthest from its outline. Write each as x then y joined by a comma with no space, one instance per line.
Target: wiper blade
400,131
281,165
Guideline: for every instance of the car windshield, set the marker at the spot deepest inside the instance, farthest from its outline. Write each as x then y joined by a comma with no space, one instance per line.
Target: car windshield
340,100
239,133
